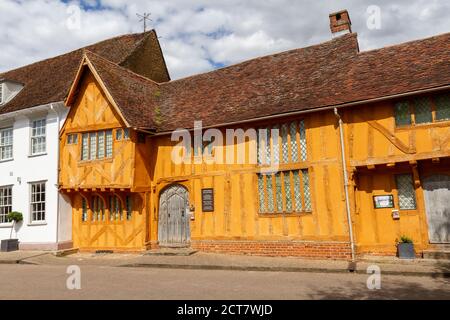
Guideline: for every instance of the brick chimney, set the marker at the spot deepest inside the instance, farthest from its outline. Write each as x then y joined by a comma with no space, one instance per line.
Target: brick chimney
340,23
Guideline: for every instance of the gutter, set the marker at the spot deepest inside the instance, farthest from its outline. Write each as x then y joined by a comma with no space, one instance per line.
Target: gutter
346,184
295,113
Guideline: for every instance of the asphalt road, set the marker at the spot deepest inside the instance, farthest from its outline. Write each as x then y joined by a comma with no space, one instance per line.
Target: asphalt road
100,282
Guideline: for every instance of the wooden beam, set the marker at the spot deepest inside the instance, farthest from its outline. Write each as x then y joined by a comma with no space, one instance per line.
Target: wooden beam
371,167
413,162
391,165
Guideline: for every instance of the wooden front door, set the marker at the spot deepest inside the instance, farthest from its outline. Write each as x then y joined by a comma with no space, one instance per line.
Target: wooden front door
173,226
437,202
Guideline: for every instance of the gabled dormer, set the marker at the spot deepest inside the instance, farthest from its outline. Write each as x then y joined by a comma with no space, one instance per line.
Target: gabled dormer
8,90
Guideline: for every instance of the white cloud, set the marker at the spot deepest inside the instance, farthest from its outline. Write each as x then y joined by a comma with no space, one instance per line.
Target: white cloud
198,35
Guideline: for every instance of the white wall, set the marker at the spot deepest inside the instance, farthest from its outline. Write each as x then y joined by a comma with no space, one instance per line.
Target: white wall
24,169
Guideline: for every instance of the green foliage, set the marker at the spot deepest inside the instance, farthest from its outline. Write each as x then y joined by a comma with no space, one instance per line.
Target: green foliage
15,216
405,239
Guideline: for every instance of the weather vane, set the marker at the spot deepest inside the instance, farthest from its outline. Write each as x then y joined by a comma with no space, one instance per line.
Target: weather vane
144,18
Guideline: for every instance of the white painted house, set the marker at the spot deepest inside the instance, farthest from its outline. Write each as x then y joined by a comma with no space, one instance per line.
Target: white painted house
32,112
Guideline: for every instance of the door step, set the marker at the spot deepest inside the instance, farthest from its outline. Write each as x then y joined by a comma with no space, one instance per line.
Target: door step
171,252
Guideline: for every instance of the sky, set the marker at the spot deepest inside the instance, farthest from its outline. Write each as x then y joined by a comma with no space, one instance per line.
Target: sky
202,35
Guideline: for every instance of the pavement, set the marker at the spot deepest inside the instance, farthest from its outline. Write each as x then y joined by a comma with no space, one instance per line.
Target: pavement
210,261
101,282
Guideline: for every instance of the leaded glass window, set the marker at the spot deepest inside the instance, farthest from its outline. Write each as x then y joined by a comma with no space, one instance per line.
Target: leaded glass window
443,107
278,192
422,110
285,143
294,197
84,210
294,144
402,114
406,192
303,149
93,146
85,147
129,205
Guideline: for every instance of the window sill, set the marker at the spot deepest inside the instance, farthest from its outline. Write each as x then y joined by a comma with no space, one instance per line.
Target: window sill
437,123
6,225
37,155
37,224
6,160
89,162
284,214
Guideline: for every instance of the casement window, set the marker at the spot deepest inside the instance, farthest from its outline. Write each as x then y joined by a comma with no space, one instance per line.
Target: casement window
6,144
96,145
84,210
122,134
38,136
98,209
129,205
5,203
288,147
422,110
406,192
115,209
72,139
37,203
284,192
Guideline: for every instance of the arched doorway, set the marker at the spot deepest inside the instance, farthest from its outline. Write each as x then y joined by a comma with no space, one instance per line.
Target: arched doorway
437,201
173,225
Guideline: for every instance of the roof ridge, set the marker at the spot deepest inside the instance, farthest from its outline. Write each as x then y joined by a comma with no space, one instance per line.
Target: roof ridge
350,35
396,45
119,66
73,51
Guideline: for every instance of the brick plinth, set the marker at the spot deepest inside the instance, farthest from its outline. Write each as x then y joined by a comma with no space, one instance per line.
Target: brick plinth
311,250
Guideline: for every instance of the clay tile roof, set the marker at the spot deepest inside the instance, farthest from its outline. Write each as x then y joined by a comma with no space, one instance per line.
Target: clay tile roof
329,74
49,80
133,94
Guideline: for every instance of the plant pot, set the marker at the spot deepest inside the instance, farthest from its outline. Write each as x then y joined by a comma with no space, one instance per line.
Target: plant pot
10,245
406,251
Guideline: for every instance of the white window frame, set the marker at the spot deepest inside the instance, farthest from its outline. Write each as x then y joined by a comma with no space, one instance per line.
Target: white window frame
5,146
32,137
32,221
4,206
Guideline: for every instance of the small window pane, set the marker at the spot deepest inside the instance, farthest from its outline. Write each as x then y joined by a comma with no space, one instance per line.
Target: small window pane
93,146
443,107
294,144
109,144
297,192
303,149
269,187
101,145
284,143
119,134
422,108
402,114
279,192
306,190
406,192
287,191
126,134
85,147
276,144
262,202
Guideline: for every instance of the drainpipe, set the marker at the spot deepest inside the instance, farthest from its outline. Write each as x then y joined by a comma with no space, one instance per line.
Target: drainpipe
346,184
57,175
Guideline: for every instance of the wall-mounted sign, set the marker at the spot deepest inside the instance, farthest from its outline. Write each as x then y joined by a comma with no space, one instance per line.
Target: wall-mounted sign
381,202
208,200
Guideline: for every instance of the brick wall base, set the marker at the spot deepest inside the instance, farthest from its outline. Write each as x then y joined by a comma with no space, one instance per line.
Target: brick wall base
311,250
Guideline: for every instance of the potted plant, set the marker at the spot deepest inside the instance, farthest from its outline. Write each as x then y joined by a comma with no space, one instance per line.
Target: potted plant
12,244
405,248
